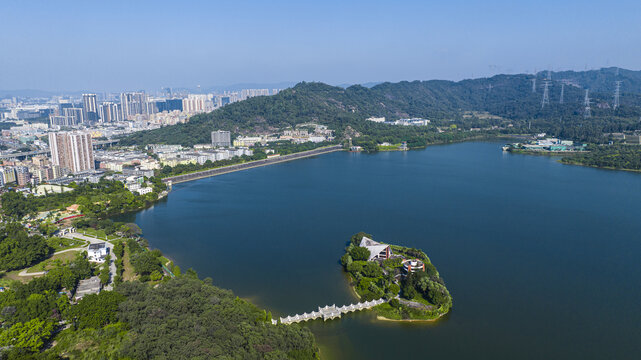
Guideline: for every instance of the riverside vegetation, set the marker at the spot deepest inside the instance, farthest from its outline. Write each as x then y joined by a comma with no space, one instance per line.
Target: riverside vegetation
151,313
620,157
419,295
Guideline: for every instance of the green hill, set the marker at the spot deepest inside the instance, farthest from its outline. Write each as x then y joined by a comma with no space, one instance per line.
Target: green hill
508,98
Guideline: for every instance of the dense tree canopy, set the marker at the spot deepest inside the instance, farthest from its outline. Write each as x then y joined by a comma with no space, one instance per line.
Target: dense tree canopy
19,250
188,318
97,310
616,157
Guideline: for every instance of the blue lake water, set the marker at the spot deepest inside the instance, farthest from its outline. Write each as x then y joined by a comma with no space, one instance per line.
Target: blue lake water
542,259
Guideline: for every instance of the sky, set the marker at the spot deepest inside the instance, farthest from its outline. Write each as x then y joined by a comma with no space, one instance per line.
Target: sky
131,45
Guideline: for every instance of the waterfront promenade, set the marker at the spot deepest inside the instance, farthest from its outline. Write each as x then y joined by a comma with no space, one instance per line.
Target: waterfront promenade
250,165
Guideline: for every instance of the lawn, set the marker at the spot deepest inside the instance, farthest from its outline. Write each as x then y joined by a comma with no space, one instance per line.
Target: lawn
55,260
6,278
99,234
58,243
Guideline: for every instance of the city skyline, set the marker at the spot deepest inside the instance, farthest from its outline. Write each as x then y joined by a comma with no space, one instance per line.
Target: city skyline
209,44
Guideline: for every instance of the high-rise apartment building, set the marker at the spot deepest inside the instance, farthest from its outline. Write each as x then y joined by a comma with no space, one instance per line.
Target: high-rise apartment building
221,138
109,112
8,175
23,177
72,151
169,105
90,107
132,104
197,103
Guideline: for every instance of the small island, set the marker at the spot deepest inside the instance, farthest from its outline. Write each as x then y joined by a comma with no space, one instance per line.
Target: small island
404,276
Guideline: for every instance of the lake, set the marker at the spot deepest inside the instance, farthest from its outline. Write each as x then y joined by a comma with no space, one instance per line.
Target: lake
542,259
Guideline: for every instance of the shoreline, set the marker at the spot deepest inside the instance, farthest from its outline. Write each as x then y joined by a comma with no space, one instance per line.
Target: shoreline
383,318
598,167
250,165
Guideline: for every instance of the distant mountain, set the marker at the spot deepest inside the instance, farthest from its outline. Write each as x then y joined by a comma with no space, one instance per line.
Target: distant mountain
370,84
26,93
238,87
507,97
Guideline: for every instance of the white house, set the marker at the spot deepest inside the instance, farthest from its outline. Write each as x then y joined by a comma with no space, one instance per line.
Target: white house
97,252
376,249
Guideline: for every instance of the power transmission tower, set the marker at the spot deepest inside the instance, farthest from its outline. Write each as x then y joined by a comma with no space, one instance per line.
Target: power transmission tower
549,75
587,112
546,94
534,84
617,92
562,92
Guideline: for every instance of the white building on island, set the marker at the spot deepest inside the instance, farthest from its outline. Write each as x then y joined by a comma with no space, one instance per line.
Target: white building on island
376,250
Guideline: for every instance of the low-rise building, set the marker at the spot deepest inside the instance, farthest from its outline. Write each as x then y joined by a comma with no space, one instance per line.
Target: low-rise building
87,287
410,266
145,190
97,252
377,251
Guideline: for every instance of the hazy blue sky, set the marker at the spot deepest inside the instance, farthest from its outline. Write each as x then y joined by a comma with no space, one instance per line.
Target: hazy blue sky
117,45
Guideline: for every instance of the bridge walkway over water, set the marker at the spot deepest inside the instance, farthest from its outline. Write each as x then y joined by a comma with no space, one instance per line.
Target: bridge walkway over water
329,312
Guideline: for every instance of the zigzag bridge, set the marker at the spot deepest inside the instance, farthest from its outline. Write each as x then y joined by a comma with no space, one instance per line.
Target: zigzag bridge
329,312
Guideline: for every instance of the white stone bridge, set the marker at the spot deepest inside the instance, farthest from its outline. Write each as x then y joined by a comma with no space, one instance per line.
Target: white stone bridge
329,312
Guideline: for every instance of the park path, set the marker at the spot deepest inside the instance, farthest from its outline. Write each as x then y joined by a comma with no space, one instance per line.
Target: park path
91,240
38,273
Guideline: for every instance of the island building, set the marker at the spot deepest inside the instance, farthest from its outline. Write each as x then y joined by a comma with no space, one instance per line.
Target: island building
72,151
377,251
97,252
410,266
221,138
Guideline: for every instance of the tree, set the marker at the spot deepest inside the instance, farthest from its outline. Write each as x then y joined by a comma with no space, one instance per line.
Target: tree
155,275
359,253
394,289
97,310
131,229
169,321
346,259
372,270
356,238
395,303
19,250
16,205
105,271
30,335
145,263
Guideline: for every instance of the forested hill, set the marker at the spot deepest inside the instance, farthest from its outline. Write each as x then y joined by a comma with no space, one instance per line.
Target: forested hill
507,96
603,80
